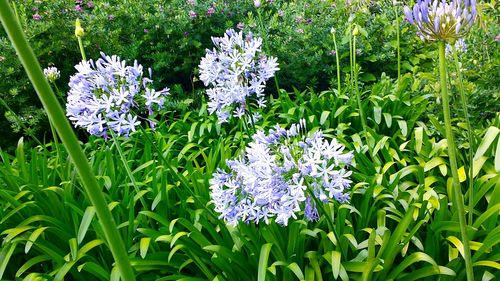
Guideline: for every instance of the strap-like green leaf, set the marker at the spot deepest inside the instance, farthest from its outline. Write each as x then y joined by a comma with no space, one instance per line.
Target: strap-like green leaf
263,258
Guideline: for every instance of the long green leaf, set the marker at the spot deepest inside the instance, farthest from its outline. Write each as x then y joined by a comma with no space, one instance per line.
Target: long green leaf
263,258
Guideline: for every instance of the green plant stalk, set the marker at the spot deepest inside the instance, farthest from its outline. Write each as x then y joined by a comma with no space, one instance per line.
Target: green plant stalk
54,134
350,54
68,137
127,168
355,85
456,189
470,135
337,61
398,47
82,50
58,151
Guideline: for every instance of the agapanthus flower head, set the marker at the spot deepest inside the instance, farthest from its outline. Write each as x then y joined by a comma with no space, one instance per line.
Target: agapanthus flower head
51,73
459,46
109,95
438,20
281,174
236,69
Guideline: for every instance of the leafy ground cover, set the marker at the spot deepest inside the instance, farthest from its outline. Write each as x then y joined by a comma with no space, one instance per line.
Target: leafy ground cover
315,148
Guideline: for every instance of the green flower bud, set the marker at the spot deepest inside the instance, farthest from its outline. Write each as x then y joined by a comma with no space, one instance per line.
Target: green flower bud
355,31
79,32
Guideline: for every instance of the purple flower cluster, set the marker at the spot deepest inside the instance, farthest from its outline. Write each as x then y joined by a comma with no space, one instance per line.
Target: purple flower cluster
235,69
107,95
278,174
440,20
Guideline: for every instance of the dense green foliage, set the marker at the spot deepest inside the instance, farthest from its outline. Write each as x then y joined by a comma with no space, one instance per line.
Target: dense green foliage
400,223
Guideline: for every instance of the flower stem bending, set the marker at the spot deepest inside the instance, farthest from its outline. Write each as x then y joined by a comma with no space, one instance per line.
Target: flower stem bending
68,137
456,195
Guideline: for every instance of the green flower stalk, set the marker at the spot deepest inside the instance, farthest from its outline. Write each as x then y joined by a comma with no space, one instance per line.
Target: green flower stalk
58,118
337,60
397,39
470,131
443,22
355,33
457,197
79,32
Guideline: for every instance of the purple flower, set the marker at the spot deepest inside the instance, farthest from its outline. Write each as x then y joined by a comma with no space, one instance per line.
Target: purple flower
146,30
78,8
210,11
310,211
37,17
275,177
111,17
440,20
235,70
192,14
107,95
90,4
497,38
240,26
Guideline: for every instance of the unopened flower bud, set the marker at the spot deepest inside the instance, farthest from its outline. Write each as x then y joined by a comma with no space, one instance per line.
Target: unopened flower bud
79,32
355,31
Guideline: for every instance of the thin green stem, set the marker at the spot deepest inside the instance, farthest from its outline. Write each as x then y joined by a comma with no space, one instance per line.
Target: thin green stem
349,30
470,135
337,60
456,195
355,85
68,137
58,151
398,47
127,168
82,50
